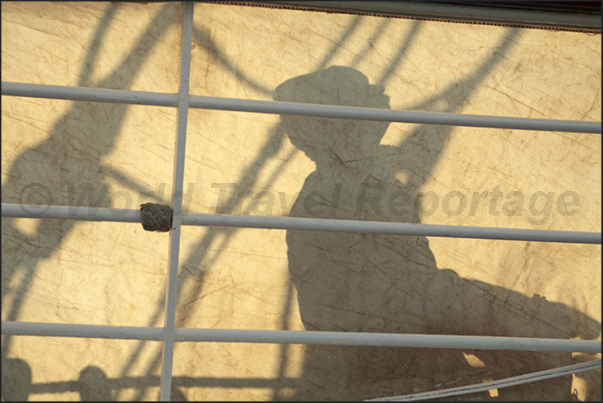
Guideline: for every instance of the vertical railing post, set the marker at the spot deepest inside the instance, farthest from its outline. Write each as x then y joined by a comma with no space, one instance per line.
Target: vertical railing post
178,184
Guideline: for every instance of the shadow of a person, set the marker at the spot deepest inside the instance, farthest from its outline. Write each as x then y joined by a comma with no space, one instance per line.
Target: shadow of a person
358,282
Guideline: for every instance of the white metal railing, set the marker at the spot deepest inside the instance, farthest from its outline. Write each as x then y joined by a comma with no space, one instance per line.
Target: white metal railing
292,108
178,184
169,334
307,224
304,337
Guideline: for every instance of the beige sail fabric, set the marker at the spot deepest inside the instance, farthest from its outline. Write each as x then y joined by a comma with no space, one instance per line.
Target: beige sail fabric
84,154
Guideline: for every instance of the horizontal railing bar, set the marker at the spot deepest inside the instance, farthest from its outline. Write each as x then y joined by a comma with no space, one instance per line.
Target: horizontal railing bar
392,228
305,337
388,115
291,108
85,331
307,224
388,340
89,94
71,213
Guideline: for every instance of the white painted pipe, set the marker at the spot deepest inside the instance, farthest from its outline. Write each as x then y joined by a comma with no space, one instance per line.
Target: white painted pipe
309,224
388,340
86,331
71,213
89,94
290,108
392,228
171,292
306,337
388,115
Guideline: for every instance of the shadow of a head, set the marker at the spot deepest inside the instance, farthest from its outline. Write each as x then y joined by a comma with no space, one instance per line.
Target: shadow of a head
340,86
93,385
16,380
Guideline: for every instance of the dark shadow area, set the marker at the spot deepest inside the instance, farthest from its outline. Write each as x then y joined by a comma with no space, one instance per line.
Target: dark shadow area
16,380
391,284
93,384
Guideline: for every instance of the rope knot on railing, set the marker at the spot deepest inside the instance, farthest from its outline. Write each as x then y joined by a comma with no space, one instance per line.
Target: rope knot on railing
156,217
